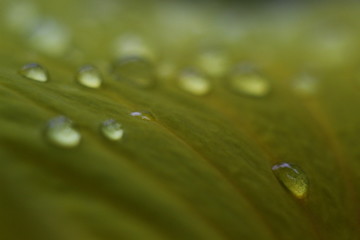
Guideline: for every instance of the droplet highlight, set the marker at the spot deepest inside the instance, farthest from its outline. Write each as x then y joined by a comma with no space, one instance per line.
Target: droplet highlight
112,130
61,132
247,81
34,71
194,83
89,76
143,115
293,178
135,70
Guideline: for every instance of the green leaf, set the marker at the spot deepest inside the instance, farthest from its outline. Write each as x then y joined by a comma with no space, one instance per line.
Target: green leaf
202,167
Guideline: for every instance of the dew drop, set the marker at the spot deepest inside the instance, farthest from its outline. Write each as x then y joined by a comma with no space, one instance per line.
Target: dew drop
34,72
135,70
144,115
245,80
112,129
50,37
213,63
61,132
132,45
194,82
89,76
293,178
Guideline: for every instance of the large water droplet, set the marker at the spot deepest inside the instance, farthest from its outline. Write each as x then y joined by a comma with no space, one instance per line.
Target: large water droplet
293,178
245,80
112,130
144,115
34,72
135,70
61,132
89,76
194,82
50,37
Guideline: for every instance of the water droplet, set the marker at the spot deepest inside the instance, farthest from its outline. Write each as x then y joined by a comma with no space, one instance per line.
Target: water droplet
112,130
194,82
293,178
89,76
135,70
35,72
245,80
305,84
213,63
61,132
144,115
50,37
21,16
132,45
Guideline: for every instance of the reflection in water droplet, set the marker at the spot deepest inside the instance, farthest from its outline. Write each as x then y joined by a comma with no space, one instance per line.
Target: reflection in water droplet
194,82
213,63
144,115
245,80
112,130
305,84
34,72
60,132
293,178
89,76
50,37
135,70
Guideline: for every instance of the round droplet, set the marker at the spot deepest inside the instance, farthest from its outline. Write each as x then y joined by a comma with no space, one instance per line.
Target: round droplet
112,130
34,72
132,45
213,63
61,132
245,80
89,76
136,71
50,37
144,115
293,178
194,82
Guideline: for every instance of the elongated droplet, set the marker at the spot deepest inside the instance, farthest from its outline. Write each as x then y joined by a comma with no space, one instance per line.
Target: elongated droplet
144,115
34,72
194,82
293,178
89,76
61,132
136,71
112,130
246,81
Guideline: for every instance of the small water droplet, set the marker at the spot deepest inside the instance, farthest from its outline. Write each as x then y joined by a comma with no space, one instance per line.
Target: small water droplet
293,178
61,132
34,72
214,63
137,71
89,76
245,80
194,82
132,45
112,130
50,37
144,115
